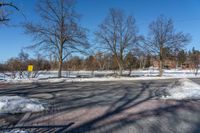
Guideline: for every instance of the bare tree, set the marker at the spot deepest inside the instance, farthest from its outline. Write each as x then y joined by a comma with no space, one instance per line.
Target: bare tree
181,58
59,32
195,59
131,62
118,34
4,11
74,64
99,56
162,35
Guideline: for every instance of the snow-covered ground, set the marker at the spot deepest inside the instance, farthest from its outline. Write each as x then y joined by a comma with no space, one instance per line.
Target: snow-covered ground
16,131
134,73
16,104
183,89
166,73
84,76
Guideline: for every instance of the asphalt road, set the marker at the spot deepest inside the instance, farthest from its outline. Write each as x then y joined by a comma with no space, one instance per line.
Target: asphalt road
120,106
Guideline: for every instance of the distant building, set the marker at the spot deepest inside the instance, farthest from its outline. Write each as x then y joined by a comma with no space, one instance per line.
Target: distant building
169,64
188,64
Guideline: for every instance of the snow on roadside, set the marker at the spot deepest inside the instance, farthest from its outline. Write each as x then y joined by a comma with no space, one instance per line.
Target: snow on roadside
17,104
183,89
94,79
89,76
16,131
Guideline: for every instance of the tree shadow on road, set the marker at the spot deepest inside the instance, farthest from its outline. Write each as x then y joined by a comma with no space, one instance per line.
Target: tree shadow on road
130,107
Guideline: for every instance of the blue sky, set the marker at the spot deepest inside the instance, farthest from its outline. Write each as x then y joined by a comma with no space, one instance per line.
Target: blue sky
185,13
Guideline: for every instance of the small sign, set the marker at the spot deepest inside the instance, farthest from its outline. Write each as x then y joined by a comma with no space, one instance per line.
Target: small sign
30,68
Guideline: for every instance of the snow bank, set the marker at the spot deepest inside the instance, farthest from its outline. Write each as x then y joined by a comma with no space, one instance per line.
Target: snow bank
16,131
89,76
16,104
94,79
183,89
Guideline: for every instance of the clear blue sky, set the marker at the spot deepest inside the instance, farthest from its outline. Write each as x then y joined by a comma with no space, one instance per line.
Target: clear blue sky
185,13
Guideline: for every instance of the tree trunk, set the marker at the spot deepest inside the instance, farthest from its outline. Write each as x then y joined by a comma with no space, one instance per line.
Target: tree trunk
196,70
130,70
60,69
60,64
120,70
161,61
120,65
161,68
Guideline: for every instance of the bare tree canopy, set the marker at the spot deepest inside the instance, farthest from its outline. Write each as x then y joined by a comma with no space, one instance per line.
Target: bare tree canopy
5,11
118,34
162,35
59,32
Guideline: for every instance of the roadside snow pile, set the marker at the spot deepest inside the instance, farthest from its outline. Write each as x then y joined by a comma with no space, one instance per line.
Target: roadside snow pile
16,104
17,131
183,89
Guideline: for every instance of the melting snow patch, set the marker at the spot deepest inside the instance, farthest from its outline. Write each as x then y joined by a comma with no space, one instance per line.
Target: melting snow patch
17,131
183,89
16,104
